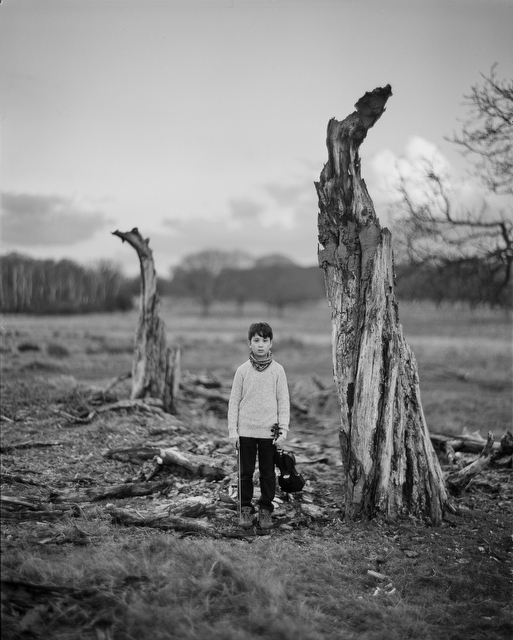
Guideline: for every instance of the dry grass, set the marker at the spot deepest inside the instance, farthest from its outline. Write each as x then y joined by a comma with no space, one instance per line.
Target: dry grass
312,585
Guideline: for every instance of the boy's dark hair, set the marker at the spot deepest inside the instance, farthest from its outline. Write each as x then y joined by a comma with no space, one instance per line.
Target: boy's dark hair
260,329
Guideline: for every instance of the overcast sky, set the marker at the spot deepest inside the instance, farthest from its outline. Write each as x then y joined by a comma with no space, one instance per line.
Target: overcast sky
202,122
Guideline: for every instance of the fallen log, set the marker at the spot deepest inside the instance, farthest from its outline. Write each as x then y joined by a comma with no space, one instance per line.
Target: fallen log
460,480
9,478
464,443
165,522
148,405
132,454
206,392
448,445
193,507
131,490
14,508
29,444
72,535
190,464
194,464
114,492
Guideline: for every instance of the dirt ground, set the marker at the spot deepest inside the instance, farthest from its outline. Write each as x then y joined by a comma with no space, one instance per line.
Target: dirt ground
51,458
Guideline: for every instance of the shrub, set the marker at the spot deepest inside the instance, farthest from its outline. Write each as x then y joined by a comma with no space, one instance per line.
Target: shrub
37,365
118,347
57,350
28,346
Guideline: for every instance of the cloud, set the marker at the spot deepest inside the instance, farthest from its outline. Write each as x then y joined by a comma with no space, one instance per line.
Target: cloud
284,195
298,242
175,225
245,209
274,217
38,220
388,166
466,194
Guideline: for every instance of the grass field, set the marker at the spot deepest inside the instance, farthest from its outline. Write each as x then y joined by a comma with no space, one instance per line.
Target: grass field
464,356
88,577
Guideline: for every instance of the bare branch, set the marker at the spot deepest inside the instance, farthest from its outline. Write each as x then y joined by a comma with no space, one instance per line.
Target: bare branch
487,132
433,231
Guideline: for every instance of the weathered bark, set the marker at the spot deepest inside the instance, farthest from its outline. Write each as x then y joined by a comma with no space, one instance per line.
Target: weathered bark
389,462
155,367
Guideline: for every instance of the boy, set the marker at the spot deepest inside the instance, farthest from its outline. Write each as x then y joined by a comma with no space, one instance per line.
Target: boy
259,400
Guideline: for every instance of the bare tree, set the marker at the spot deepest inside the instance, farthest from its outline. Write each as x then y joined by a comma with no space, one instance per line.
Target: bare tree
487,133
45,286
433,229
198,276
389,463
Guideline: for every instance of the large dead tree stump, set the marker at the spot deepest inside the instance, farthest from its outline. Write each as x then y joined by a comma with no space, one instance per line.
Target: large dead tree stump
389,463
155,366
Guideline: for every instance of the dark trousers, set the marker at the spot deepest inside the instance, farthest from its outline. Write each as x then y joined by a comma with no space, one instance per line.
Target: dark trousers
248,453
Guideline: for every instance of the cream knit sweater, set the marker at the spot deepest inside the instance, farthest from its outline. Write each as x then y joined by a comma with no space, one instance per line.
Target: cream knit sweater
258,400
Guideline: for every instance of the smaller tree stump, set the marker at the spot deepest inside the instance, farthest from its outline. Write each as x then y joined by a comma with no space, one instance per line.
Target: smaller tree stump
155,366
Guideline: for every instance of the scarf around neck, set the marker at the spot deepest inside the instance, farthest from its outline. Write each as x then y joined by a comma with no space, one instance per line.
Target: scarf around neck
260,365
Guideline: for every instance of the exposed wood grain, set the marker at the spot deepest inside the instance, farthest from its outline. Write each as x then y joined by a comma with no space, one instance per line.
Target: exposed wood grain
388,460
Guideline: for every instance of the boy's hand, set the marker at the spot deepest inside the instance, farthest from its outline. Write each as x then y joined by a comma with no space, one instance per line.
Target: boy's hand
280,440
234,442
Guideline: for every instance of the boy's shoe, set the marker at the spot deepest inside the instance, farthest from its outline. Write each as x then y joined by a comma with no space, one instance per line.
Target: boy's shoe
246,518
265,519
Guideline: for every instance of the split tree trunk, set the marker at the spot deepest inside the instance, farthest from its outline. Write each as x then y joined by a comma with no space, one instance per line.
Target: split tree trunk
155,366
389,462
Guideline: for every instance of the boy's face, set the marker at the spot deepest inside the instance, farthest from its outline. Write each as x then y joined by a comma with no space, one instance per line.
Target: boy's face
260,346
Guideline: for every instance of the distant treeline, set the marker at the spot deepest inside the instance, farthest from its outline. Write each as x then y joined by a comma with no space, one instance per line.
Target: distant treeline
47,286
278,285
470,281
